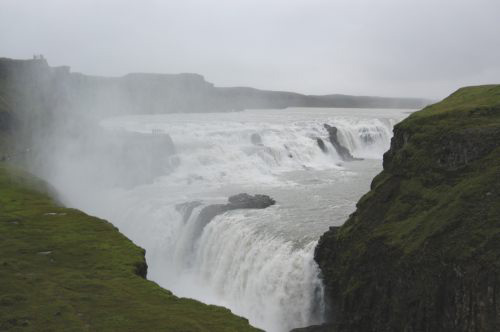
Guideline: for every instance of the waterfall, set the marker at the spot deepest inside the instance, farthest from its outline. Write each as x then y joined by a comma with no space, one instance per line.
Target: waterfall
258,263
219,152
365,138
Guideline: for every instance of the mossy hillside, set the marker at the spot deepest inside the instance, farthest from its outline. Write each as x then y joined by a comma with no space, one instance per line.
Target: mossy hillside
62,270
422,250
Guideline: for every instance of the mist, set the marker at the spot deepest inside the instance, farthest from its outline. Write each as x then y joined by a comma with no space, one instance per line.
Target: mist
162,156
159,116
388,48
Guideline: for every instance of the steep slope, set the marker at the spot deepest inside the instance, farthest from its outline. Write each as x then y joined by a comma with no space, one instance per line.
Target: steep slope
422,250
64,270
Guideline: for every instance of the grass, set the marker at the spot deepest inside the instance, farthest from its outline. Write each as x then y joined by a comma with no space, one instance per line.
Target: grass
436,198
422,250
443,181
62,270
464,99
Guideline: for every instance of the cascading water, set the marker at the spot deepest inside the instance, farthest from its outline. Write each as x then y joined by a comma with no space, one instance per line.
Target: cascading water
258,263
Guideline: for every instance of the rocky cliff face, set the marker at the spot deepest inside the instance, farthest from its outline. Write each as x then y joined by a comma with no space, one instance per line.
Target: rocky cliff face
422,250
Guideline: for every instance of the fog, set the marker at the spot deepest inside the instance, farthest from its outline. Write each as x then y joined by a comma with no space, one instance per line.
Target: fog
387,47
152,175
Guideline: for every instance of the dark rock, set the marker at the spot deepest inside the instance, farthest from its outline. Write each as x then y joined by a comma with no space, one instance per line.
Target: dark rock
256,139
246,201
240,201
467,146
141,269
342,151
321,145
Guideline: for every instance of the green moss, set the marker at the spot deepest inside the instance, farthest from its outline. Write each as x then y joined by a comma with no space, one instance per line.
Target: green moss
62,270
422,250
464,99
433,195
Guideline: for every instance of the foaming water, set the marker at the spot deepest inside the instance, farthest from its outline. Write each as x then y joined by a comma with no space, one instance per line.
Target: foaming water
258,263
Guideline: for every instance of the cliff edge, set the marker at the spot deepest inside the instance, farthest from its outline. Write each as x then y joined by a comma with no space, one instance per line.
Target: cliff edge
61,270
422,250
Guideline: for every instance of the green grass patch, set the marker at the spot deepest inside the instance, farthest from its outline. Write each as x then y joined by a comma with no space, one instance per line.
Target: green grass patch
62,270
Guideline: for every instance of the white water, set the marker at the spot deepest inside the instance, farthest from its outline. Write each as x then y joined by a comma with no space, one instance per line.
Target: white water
258,263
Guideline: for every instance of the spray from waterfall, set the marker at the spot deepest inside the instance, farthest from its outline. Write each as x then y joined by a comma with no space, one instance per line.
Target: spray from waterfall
152,175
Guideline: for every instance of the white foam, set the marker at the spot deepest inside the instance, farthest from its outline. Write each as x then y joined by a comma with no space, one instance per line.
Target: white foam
241,259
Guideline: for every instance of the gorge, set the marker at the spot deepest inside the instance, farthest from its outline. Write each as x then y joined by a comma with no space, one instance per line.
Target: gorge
165,179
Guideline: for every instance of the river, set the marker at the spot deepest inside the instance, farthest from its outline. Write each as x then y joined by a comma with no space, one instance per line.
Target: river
258,263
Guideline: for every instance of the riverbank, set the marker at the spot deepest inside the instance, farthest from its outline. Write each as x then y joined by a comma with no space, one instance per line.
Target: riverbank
64,270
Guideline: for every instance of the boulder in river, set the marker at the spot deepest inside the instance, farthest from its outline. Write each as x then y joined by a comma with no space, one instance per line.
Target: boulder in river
246,201
240,201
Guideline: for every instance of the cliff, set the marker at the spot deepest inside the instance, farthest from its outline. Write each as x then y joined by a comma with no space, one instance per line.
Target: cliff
422,250
167,93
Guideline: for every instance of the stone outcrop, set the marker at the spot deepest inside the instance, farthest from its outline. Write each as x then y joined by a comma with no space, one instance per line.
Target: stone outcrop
240,201
342,151
321,145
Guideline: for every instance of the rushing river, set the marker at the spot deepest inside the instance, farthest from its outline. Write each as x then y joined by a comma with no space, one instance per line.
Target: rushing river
258,263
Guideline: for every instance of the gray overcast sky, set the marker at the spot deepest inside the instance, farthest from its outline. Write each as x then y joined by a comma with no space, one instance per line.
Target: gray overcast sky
421,48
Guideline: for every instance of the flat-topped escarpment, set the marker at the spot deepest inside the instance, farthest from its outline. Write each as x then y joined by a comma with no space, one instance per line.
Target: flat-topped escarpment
422,250
167,93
